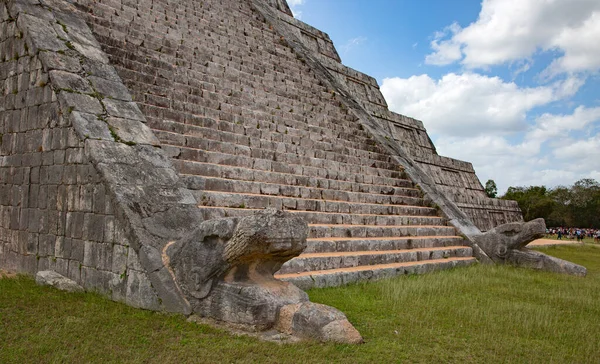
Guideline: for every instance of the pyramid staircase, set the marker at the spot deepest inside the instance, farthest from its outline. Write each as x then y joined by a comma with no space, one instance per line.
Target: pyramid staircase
367,225
249,126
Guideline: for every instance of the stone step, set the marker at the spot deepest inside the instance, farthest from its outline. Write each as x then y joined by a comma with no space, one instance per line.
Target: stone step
308,262
259,119
357,183
304,152
317,217
325,245
284,138
343,276
319,189
243,156
370,231
200,183
257,201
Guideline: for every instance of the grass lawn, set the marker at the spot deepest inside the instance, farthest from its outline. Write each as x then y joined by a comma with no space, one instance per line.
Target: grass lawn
478,314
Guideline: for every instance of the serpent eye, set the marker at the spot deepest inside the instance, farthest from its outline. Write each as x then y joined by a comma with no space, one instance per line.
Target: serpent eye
501,251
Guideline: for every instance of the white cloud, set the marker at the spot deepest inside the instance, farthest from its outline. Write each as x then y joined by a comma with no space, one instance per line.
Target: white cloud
524,164
352,43
580,153
555,126
508,31
485,120
445,52
580,46
470,104
294,7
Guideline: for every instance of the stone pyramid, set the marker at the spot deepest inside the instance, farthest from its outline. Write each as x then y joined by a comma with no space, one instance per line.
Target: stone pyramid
125,123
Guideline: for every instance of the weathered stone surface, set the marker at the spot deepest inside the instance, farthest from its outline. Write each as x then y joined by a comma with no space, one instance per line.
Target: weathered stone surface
506,244
246,250
123,109
70,81
41,33
132,131
80,102
108,88
51,278
77,196
90,126
318,322
225,269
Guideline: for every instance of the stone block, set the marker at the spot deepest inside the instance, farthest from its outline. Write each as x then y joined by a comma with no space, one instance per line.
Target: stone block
74,224
90,126
62,266
79,102
70,82
56,61
41,34
123,109
96,280
119,259
75,268
76,249
101,70
93,227
132,131
139,291
51,278
133,261
110,89
46,245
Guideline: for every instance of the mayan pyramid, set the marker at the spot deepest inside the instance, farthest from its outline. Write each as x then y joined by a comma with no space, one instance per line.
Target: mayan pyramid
126,122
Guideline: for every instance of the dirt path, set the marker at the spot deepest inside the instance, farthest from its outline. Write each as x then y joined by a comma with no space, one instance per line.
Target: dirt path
546,242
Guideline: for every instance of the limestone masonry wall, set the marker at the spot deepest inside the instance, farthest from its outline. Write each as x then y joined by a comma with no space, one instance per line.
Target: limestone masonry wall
113,198
56,213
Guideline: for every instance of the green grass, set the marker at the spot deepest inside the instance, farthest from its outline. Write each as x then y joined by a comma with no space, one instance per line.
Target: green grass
478,314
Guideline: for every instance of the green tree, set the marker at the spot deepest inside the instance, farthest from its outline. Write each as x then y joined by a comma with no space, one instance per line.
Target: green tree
586,202
561,214
534,201
574,206
491,190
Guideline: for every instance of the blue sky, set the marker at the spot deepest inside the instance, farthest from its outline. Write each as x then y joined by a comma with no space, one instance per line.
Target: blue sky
509,85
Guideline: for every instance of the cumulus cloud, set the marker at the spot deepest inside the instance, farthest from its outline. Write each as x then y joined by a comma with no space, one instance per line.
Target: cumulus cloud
580,153
445,52
470,104
486,121
524,163
294,7
550,126
492,122
508,31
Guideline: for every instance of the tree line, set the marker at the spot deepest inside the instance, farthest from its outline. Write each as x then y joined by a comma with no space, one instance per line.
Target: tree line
574,206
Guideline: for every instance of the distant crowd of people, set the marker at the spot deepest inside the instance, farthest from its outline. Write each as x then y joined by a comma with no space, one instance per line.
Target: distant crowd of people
575,233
